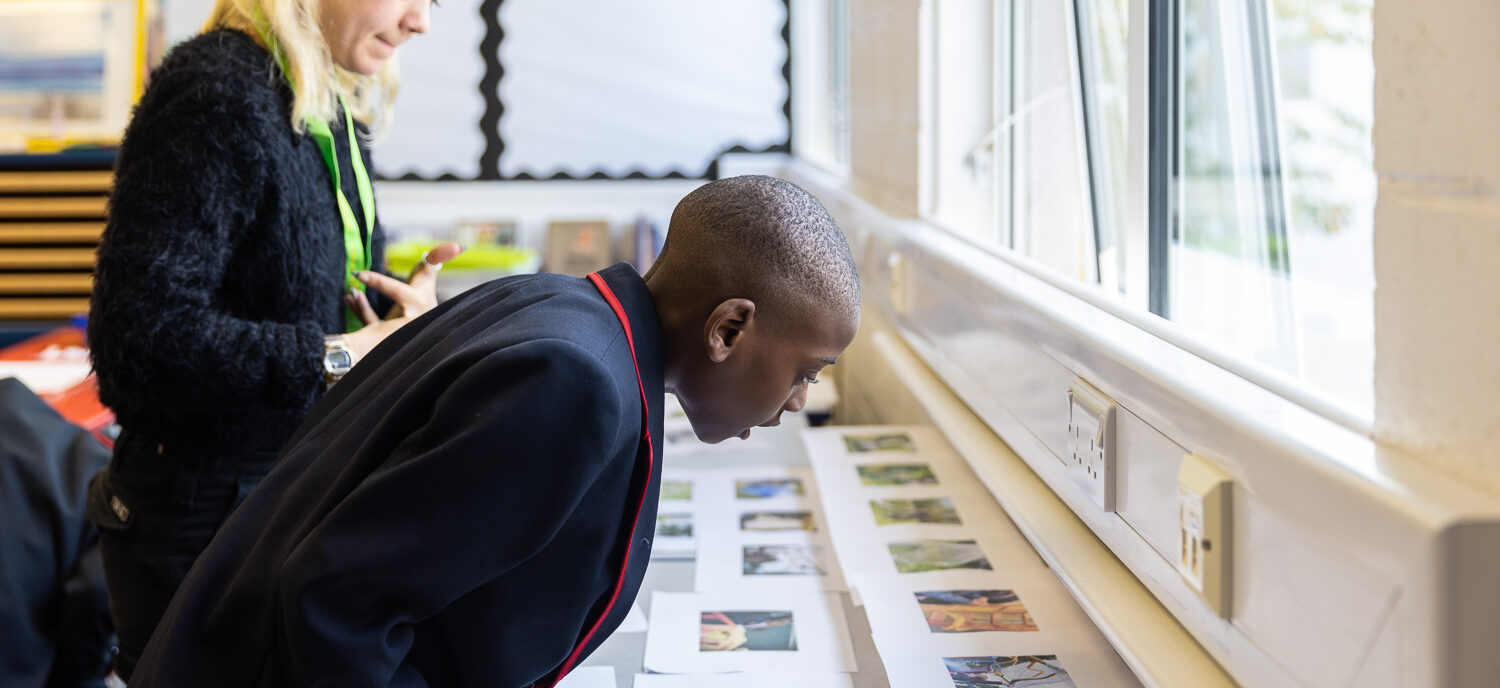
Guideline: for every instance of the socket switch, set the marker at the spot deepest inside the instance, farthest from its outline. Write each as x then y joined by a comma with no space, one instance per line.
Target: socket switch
1203,516
1091,443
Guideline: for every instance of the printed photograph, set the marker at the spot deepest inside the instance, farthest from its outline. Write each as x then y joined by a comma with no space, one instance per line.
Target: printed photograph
777,520
916,556
1029,671
676,489
899,441
768,487
782,560
971,611
674,525
770,631
894,511
876,475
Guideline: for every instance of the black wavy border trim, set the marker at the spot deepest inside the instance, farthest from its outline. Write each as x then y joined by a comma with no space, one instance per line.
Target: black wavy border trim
494,146
489,89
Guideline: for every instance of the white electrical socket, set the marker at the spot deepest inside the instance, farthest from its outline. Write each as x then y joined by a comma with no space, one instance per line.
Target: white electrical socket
1203,523
1091,443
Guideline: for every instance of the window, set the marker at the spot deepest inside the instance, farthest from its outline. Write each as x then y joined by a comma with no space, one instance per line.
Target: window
1271,207
1235,198
820,113
1050,207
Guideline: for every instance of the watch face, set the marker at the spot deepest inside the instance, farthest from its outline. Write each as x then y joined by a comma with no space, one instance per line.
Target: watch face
337,361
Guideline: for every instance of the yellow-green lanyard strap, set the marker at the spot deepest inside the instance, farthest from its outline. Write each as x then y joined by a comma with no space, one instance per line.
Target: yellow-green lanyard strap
356,244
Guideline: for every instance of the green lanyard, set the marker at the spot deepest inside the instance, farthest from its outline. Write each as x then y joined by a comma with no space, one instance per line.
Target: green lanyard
356,243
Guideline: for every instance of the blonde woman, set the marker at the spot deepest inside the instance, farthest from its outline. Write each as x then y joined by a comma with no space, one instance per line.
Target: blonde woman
234,270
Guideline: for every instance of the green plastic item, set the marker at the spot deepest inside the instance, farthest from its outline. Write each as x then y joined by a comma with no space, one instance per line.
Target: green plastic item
402,256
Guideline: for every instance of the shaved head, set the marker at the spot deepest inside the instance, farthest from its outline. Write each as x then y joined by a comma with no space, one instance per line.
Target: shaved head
764,239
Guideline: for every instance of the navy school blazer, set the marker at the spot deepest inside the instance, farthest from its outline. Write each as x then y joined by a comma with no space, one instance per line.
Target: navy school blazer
455,512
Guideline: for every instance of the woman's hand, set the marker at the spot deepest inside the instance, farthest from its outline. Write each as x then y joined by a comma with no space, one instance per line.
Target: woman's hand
415,296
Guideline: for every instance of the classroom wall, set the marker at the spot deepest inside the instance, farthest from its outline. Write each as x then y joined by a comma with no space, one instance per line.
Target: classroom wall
1437,233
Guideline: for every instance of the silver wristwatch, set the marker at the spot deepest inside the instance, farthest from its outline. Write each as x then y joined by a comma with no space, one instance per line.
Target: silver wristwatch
337,358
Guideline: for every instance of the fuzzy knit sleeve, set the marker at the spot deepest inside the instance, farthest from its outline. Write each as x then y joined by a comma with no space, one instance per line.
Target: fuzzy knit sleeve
193,177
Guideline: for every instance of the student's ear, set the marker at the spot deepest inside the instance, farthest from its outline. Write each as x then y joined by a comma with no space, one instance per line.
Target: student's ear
726,327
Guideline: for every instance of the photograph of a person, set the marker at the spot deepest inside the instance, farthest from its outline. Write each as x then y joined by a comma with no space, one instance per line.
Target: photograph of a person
766,488
898,441
677,489
777,520
674,525
782,560
882,474
1028,671
916,556
746,631
894,511
971,611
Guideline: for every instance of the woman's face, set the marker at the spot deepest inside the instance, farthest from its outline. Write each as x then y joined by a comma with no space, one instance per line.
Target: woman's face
363,34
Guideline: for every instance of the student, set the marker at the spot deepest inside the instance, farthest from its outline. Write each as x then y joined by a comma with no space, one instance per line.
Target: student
229,283
473,505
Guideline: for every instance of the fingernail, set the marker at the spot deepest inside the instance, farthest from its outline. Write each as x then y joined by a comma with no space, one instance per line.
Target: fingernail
361,276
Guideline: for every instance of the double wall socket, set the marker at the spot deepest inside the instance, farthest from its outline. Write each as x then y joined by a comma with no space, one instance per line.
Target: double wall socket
1203,518
1091,443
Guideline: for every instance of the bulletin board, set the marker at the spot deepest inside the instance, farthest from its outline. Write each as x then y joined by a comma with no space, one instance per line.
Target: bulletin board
589,89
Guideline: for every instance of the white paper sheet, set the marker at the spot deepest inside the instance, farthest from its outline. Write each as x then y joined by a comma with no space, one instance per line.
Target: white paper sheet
589,677
806,564
910,635
747,631
1076,670
759,679
676,534
907,468
1041,618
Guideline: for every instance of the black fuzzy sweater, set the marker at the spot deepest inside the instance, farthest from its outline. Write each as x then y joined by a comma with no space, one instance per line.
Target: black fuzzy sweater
222,264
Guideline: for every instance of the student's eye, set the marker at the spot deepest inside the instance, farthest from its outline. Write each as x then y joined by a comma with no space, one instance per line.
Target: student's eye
805,379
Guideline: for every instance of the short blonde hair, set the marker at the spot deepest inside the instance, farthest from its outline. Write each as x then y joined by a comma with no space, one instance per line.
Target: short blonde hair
309,64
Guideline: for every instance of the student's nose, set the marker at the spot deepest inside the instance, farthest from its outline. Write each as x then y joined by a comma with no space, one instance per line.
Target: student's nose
798,400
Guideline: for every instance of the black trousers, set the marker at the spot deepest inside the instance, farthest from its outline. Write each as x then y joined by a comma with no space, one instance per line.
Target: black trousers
156,511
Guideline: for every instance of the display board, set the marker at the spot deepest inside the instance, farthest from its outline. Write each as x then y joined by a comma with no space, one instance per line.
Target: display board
589,89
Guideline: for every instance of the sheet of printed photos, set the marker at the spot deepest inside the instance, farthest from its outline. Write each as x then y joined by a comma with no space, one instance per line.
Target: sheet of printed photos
677,516
740,630
954,593
763,529
900,500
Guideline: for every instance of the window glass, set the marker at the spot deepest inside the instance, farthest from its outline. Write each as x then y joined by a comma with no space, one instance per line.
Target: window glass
961,194
1271,249
1103,28
820,110
1051,208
